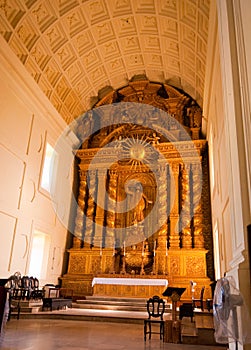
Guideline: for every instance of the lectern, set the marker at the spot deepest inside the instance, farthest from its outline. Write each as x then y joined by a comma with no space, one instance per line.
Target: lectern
174,293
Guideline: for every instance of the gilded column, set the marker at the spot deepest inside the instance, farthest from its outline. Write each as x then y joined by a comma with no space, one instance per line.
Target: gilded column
79,221
162,209
90,209
186,207
111,214
174,239
197,207
99,217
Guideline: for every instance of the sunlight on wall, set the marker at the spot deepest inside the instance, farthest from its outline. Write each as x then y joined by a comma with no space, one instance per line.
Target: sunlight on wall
49,168
211,157
39,255
216,252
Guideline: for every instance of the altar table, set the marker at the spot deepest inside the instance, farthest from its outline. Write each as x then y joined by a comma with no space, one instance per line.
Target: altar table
128,287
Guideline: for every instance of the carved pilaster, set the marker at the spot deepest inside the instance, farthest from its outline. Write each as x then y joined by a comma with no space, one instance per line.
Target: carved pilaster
79,221
197,207
162,209
185,211
111,214
174,202
90,208
99,216
162,189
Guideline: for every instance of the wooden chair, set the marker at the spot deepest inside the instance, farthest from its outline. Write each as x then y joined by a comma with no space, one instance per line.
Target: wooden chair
36,292
155,309
26,287
14,295
186,310
199,302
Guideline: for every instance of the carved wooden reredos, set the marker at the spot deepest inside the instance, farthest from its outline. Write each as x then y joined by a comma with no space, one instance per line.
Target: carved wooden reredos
142,172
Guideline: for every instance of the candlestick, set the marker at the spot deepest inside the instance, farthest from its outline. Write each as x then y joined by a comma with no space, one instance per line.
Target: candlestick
154,247
123,268
143,247
124,249
114,259
142,271
154,265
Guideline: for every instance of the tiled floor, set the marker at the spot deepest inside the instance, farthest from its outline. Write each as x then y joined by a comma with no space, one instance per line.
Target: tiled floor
48,334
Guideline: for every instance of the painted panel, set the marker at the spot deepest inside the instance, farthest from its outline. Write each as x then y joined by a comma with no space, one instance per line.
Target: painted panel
7,235
15,120
228,235
21,245
11,179
223,167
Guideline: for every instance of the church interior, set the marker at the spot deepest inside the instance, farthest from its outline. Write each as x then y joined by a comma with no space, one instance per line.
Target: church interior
125,148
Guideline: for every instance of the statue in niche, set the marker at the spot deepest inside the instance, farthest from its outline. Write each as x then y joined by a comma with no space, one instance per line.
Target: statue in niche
193,116
138,202
85,128
154,139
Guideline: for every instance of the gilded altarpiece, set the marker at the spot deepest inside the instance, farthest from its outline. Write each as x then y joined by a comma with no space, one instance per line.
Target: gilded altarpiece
140,211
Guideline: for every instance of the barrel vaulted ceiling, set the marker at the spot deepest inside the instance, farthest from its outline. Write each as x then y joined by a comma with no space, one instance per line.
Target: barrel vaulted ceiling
75,48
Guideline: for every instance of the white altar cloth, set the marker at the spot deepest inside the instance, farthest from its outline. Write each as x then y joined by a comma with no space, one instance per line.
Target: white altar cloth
130,281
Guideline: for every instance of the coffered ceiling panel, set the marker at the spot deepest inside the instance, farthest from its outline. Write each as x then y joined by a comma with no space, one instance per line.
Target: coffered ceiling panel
74,48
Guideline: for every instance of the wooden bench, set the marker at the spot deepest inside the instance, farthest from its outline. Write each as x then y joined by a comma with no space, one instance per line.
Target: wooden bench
58,298
56,303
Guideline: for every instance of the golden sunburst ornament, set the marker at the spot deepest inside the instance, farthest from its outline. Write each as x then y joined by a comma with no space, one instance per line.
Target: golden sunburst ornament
136,150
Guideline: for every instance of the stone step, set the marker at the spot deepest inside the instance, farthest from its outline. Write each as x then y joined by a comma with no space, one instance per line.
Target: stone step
26,306
205,327
189,333
30,309
114,299
129,308
27,303
204,321
107,303
123,304
199,332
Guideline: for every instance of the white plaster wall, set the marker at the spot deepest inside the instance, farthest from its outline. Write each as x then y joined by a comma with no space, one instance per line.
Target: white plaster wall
214,127
227,111
220,190
28,120
225,132
244,10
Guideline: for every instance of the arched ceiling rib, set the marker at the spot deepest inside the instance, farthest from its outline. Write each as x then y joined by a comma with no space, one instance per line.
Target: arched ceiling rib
74,48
